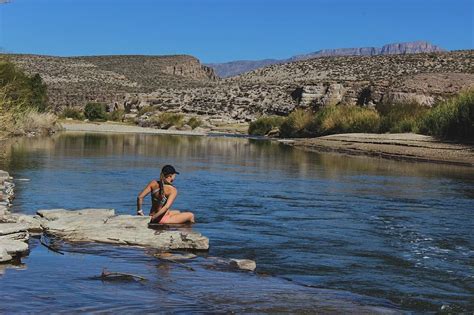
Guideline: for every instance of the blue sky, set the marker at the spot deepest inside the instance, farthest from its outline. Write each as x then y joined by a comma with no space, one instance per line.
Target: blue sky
223,30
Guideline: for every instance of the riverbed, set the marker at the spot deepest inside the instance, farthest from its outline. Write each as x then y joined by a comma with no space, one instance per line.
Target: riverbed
386,233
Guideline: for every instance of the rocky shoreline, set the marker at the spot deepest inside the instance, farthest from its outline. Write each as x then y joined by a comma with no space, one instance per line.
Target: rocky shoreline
404,147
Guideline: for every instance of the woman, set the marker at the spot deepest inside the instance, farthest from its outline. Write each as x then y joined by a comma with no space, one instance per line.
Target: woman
163,194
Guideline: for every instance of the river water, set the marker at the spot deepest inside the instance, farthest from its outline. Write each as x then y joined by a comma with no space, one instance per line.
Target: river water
366,231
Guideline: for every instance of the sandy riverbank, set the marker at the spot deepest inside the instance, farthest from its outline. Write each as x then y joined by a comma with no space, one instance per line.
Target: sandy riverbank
405,146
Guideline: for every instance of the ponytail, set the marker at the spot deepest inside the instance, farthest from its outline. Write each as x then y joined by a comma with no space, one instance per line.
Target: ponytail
162,185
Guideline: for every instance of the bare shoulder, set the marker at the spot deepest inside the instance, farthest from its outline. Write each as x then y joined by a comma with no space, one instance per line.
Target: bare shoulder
171,189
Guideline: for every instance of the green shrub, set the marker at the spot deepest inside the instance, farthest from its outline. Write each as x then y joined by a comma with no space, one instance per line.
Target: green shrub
95,111
72,112
21,88
116,115
298,124
452,119
23,99
401,117
194,122
166,120
263,125
345,119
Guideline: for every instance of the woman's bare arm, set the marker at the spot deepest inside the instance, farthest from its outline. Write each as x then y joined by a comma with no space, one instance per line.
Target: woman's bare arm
169,202
142,195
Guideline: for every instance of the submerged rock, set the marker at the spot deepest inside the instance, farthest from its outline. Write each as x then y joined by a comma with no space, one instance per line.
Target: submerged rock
244,264
103,226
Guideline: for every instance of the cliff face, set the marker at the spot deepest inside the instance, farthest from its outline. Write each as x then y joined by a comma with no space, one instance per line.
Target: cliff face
233,68
74,81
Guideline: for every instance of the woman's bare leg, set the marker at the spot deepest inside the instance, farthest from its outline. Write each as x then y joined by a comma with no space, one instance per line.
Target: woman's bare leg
181,217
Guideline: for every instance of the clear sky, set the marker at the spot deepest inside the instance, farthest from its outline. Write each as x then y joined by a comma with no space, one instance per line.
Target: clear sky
223,30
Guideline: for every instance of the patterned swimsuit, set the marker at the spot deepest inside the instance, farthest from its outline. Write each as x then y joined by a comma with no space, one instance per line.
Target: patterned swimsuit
161,199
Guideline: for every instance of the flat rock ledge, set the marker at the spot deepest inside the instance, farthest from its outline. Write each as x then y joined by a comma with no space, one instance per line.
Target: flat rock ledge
14,234
103,226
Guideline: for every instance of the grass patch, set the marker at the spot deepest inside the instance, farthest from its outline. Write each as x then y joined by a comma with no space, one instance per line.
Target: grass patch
398,118
72,112
298,124
23,101
116,115
167,120
451,119
345,119
194,122
145,109
263,125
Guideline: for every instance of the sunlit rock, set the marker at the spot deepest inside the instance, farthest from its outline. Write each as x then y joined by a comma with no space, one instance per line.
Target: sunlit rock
103,226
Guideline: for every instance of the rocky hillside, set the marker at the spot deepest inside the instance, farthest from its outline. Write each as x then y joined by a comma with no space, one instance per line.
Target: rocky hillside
182,84
233,68
73,81
352,80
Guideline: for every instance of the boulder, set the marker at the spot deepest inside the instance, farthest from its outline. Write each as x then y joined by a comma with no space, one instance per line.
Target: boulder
4,255
11,228
14,231
244,264
103,226
13,247
32,223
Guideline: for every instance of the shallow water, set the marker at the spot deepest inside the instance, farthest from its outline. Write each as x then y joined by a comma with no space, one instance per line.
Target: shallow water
393,231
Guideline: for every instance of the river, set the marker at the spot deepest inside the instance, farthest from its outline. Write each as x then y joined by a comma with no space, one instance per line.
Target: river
390,234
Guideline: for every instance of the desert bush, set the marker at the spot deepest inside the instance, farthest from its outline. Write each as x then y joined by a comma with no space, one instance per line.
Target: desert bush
401,117
22,101
298,124
116,115
194,122
72,112
36,122
95,112
345,119
21,88
263,125
166,120
145,109
451,119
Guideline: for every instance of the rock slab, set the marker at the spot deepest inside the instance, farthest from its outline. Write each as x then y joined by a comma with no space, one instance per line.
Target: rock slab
103,226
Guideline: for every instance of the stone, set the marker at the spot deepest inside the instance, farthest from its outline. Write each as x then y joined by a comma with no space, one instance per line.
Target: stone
4,175
11,228
32,223
4,255
186,128
14,247
20,236
174,256
274,133
103,226
55,214
244,264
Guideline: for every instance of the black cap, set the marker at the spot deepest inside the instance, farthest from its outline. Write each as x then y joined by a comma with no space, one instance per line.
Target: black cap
168,170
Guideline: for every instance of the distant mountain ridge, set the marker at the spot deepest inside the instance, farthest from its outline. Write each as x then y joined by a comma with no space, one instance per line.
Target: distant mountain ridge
233,68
